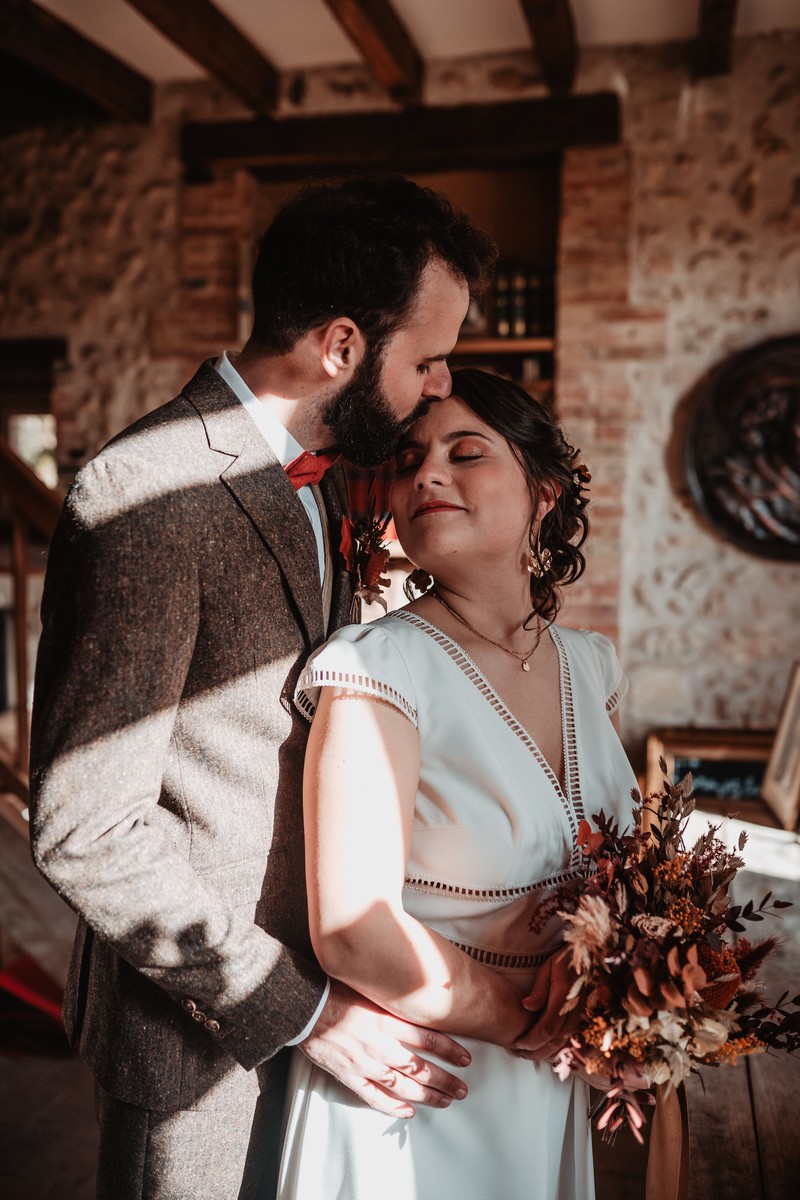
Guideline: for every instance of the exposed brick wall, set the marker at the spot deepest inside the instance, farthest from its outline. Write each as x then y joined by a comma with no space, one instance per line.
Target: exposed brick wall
677,249
216,228
599,333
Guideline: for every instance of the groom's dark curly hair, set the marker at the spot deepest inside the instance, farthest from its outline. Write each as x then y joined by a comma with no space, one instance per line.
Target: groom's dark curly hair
357,248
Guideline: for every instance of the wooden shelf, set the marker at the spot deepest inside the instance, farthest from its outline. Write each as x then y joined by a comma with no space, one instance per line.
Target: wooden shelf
509,345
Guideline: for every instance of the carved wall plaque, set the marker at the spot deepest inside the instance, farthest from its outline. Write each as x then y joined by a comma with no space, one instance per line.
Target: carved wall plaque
742,449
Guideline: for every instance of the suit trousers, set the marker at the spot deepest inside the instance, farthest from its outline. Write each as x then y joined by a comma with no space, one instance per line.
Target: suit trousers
192,1154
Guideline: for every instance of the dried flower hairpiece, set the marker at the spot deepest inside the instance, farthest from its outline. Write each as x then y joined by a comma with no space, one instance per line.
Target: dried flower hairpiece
581,476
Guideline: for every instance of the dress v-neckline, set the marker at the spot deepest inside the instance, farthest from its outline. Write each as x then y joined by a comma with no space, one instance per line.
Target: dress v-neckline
568,793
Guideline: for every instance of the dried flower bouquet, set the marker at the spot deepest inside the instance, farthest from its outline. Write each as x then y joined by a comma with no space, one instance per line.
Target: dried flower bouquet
666,983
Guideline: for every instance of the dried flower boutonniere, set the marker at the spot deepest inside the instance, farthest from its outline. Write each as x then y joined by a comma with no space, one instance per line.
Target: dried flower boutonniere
366,555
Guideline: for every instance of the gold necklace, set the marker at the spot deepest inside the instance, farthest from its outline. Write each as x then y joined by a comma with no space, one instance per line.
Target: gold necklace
521,658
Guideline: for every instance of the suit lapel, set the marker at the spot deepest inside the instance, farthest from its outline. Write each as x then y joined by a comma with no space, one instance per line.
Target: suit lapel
334,492
258,483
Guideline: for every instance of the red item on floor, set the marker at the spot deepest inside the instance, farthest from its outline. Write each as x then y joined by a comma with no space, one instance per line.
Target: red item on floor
25,979
30,1010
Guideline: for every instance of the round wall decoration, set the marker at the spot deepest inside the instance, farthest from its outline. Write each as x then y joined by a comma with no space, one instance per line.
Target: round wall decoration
742,449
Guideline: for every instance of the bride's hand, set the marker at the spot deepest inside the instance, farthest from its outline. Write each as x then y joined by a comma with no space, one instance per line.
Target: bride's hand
551,1028
373,1053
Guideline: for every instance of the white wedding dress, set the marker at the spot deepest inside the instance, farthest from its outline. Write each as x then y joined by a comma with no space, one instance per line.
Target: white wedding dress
494,832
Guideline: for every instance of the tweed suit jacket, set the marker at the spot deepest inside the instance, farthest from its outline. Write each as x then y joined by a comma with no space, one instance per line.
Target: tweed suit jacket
181,599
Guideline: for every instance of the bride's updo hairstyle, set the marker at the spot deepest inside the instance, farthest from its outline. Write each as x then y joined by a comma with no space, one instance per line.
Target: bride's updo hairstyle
546,457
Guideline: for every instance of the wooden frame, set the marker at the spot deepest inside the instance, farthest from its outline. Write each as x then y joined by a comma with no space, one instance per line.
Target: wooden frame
50,45
201,31
714,747
781,786
415,139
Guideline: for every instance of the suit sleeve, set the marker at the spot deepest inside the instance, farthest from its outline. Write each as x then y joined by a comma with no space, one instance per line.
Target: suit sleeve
121,611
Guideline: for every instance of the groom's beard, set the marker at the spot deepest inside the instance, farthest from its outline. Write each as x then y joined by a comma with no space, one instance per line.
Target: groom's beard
360,416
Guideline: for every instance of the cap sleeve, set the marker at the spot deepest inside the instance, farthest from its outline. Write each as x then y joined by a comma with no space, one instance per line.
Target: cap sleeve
363,659
615,683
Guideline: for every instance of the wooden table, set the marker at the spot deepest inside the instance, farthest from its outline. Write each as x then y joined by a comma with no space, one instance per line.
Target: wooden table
744,1140
743,1128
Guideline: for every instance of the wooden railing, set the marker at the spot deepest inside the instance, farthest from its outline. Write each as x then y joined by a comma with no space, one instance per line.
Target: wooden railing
31,507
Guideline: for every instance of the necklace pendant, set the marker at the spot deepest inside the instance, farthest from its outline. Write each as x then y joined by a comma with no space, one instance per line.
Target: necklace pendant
525,667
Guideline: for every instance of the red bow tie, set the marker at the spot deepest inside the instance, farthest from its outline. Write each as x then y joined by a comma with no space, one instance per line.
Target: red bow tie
309,468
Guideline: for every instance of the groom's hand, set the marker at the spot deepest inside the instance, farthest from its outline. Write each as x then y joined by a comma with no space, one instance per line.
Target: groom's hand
373,1053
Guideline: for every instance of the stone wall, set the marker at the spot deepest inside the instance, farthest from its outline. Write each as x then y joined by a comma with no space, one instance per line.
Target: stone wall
677,247
91,251
88,221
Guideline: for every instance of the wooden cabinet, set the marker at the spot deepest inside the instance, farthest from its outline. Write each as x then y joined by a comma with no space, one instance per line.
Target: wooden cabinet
528,361
512,329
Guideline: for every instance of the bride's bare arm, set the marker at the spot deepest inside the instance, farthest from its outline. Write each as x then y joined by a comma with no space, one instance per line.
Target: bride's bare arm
361,776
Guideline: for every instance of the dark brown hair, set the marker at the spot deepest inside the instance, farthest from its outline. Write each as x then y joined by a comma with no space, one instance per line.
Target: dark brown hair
546,457
358,248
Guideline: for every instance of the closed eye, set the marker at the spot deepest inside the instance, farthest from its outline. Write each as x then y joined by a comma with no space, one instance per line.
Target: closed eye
405,466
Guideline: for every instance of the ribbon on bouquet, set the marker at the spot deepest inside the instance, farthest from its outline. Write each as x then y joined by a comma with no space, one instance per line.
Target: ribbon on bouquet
668,1157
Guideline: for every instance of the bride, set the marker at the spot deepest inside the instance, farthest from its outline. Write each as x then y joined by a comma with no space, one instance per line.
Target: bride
455,746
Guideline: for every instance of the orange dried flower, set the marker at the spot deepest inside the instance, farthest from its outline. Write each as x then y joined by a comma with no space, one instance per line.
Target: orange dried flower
730,1051
674,874
685,914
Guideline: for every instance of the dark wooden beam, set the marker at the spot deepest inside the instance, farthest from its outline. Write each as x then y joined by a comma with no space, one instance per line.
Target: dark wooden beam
384,43
48,44
200,30
30,98
712,50
414,139
553,32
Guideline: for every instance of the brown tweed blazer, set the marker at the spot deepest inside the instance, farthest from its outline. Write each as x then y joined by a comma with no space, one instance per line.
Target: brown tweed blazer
182,597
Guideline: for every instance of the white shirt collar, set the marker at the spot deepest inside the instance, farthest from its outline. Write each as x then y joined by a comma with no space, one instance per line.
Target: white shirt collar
285,447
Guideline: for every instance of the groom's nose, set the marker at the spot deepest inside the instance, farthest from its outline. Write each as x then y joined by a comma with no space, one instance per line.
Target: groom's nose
437,381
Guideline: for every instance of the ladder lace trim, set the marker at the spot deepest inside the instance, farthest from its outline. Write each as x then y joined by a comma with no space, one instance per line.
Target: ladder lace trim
573,804
502,960
570,794
489,895
614,700
317,677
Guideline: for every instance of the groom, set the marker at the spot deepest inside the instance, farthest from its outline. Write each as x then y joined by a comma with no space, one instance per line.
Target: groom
194,568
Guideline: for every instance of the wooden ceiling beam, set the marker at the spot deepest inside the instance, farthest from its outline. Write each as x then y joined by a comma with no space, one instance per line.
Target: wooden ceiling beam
200,30
384,43
553,31
50,45
30,98
712,50
413,139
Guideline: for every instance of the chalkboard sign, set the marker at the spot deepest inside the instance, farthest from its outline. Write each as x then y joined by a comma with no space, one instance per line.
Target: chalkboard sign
722,780
727,766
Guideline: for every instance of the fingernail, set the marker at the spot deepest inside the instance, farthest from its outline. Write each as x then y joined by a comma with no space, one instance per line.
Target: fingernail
461,1093
445,1102
465,1060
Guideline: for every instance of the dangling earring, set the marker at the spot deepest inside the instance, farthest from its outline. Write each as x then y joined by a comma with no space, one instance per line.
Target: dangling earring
540,561
418,581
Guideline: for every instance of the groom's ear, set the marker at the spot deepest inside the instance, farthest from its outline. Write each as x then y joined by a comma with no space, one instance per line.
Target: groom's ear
341,347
